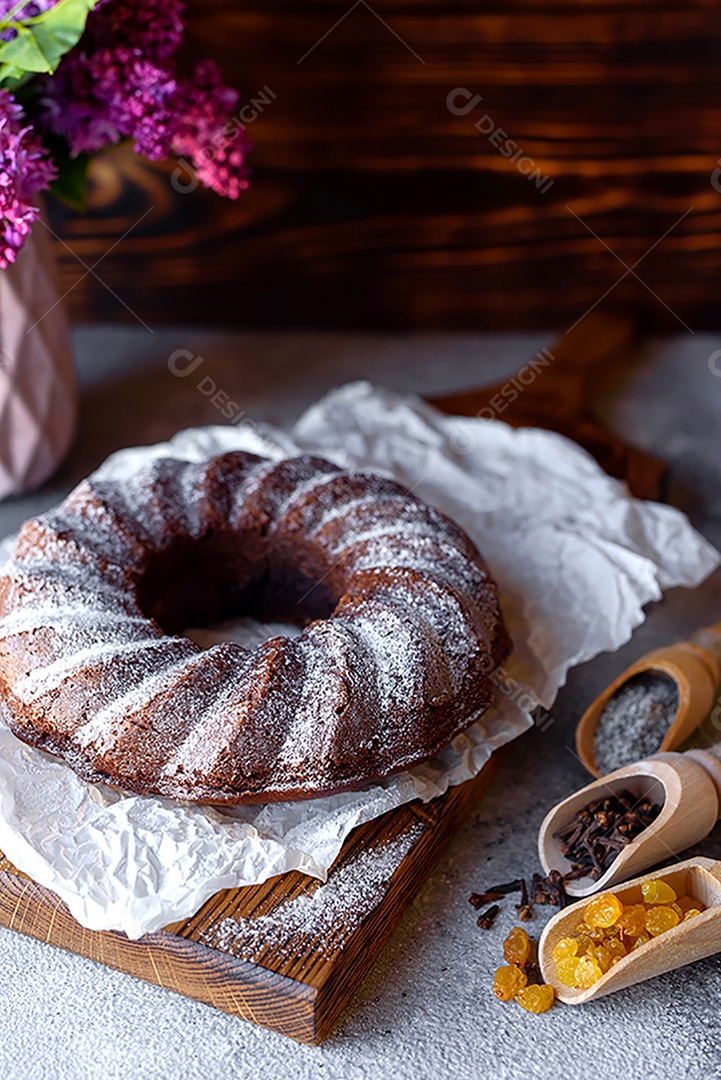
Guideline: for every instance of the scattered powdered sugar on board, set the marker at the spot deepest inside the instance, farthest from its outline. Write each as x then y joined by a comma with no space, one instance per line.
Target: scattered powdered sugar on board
317,922
635,720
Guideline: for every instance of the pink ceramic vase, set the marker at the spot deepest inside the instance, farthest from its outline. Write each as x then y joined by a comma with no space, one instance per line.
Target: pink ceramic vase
38,403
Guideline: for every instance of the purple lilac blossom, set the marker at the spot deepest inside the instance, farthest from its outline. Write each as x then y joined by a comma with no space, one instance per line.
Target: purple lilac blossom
204,106
24,171
32,8
154,27
120,81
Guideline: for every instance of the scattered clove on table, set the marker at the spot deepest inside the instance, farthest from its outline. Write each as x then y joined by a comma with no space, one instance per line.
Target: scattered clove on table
487,919
532,971
496,892
549,890
523,908
477,900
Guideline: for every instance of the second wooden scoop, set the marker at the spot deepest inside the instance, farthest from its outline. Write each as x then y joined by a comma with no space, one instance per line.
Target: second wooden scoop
686,786
685,943
695,667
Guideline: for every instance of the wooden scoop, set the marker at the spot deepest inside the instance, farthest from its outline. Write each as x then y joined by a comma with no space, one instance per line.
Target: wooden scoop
695,667
686,786
689,941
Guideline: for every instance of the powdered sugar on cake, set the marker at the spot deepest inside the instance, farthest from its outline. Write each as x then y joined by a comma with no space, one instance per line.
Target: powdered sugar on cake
401,612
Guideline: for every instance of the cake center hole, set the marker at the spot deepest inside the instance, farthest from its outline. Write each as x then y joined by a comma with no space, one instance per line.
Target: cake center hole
213,582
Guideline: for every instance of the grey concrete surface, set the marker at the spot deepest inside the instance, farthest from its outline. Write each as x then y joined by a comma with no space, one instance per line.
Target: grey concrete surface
426,1010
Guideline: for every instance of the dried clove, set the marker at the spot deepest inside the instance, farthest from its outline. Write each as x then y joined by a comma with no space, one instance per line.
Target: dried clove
523,908
495,892
479,899
487,919
532,972
549,890
599,832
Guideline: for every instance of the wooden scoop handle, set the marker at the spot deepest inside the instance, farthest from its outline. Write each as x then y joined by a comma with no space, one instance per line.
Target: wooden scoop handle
709,757
710,761
708,638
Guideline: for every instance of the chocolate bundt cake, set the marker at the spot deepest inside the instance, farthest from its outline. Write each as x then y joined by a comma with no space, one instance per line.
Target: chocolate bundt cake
400,619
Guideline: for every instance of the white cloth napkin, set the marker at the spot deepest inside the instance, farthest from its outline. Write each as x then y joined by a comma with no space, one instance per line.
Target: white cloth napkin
575,558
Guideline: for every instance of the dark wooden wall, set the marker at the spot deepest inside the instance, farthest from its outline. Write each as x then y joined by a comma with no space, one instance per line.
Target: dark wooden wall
373,205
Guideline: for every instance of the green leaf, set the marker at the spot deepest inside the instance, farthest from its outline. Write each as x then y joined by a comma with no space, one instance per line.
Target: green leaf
43,40
24,52
60,28
10,76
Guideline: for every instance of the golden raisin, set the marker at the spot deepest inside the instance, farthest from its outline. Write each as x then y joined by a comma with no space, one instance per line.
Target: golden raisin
633,920
590,933
588,972
565,948
566,970
617,948
517,947
658,892
660,919
603,911
611,930
602,956
508,982
536,999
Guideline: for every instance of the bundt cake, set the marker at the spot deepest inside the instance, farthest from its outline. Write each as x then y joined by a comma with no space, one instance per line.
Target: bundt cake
400,616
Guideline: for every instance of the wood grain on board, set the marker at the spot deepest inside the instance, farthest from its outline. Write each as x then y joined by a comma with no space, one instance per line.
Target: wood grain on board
374,205
288,954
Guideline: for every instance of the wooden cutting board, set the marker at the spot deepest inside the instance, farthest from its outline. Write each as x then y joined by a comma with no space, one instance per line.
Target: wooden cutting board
289,954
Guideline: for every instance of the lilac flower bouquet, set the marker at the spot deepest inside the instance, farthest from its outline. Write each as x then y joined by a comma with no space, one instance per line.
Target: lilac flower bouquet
77,75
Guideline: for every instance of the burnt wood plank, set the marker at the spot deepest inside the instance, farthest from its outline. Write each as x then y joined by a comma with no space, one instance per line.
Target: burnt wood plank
373,204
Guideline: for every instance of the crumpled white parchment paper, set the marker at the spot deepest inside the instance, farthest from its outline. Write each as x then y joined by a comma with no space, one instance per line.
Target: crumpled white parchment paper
575,558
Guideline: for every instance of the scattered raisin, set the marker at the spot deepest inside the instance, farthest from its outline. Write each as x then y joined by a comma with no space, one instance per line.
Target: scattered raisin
536,999
508,982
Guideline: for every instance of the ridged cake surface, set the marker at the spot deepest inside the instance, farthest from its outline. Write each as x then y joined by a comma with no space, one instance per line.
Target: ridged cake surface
400,617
